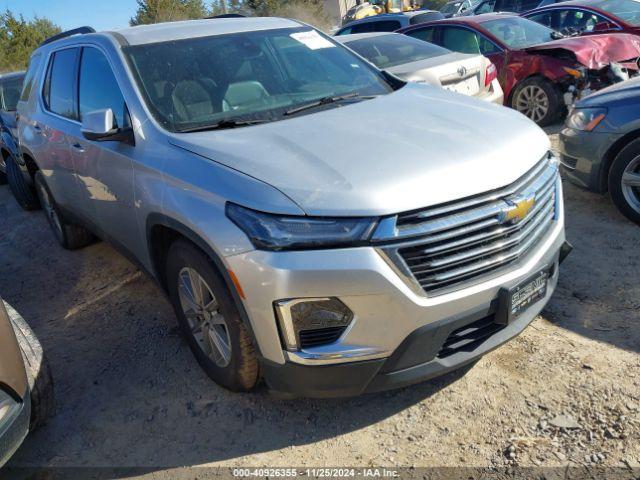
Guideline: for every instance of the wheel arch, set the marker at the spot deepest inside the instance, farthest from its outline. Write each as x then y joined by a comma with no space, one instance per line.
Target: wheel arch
532,76
162,231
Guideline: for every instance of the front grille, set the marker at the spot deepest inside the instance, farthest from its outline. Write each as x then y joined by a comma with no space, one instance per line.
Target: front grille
470,239
321,336
469,337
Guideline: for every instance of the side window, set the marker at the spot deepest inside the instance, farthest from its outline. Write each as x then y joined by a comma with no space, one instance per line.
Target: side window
98,88
543,18
580,20
460,40
424,34
486,7
386,26
27,86
366,27
487,47
344,31
59,88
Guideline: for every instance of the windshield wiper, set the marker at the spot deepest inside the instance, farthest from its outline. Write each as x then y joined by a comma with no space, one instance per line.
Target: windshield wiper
325,101
223,124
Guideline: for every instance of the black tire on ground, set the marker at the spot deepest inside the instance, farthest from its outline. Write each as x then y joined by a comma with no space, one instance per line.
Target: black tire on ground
69,235
548,91
38,371
24,193
3,177
628,156
242,372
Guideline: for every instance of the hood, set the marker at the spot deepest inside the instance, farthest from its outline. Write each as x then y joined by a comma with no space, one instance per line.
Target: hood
414,148
593,51
627,91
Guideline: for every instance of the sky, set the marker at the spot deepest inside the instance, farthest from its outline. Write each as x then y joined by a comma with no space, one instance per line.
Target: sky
68,14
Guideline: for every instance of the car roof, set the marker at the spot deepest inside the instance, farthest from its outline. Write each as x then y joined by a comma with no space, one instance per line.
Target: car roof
169,31
11,75
359,36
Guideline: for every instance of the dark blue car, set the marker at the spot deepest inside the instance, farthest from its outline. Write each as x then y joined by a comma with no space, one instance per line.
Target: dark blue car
389,22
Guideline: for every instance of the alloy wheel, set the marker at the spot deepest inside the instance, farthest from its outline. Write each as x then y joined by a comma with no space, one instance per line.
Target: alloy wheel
50,211
631,184
202,311
533,102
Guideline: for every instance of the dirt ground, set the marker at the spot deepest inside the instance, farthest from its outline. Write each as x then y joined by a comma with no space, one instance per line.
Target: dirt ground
129,393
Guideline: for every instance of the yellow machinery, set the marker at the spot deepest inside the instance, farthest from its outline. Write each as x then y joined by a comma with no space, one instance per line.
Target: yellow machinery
377,7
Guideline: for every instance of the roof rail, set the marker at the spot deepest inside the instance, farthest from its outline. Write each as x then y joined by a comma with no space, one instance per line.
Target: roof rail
228,15
68,33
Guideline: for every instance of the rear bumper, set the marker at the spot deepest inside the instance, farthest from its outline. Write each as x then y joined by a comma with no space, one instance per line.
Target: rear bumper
419,357
496,95
14,427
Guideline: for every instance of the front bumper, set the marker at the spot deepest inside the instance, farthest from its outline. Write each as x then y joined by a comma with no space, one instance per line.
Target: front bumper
582,156
390,315
14,426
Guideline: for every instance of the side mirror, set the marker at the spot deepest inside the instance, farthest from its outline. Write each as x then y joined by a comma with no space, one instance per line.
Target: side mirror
98,126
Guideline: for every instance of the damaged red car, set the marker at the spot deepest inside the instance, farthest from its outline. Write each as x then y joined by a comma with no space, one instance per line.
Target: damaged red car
540,70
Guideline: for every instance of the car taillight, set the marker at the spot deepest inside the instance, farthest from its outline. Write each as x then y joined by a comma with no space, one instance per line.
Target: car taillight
491,75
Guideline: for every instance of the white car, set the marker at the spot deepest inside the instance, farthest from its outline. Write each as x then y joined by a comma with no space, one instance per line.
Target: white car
413,60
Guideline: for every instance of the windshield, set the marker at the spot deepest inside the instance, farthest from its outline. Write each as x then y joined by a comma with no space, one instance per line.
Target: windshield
451,7
386,51
517,32
626,10
10,93
193,83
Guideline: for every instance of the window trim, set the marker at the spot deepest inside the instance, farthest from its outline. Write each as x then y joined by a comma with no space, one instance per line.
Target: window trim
49,64
559,6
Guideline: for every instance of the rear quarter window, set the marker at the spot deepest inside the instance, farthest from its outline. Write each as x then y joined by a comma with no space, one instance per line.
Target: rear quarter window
27,86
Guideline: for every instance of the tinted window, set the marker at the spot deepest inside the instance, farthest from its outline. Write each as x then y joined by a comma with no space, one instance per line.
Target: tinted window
387,51
387,26
366,27
425,17
424,34
60,83
460,40
98,86
27,86
10,92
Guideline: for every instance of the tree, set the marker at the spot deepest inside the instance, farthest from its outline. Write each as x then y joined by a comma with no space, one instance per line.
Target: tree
18,38
156,11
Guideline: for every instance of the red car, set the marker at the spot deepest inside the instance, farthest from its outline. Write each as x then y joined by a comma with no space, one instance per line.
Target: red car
588,17
540,71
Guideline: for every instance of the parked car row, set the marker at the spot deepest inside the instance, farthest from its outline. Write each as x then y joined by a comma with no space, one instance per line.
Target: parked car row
235,162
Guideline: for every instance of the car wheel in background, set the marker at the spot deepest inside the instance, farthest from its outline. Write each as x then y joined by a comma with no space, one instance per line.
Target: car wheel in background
624,181
22,191
38,370
3,175
209,318
537,99
69,235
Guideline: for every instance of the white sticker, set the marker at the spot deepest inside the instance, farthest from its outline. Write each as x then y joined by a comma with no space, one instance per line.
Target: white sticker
312,39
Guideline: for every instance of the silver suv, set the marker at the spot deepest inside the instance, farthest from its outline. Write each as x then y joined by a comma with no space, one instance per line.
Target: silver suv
315,222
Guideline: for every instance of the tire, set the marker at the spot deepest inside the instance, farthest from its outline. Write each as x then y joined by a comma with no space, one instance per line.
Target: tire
38,370
3,178
624,178
534,95
69,235
238,371
24,193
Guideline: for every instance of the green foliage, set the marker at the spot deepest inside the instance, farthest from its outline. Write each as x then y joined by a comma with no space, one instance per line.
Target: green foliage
156,11
18,38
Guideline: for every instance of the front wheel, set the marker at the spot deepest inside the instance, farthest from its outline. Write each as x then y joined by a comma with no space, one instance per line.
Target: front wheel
624,181
209,319
537,99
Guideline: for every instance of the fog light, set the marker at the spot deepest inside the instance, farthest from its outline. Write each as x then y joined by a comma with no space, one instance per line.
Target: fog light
310,322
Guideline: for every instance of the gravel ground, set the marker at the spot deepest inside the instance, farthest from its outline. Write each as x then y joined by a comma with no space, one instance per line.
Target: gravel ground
129,393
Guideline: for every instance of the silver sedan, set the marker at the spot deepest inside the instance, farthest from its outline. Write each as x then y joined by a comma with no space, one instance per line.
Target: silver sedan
416,61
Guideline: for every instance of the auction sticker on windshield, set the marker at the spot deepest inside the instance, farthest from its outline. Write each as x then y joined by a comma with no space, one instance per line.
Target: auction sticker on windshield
312,39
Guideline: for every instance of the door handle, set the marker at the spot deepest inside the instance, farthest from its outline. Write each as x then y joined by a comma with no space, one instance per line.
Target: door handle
37,128
77,147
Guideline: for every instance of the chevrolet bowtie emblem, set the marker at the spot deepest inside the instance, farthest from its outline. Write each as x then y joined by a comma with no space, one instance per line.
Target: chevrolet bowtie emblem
518,209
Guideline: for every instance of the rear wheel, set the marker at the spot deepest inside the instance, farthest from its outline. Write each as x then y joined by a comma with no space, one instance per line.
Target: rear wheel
209,319
624,181
3,166
24,193
537,99
69,235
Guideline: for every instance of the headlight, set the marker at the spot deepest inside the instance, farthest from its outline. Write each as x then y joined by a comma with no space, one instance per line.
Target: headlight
268,231
586,119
